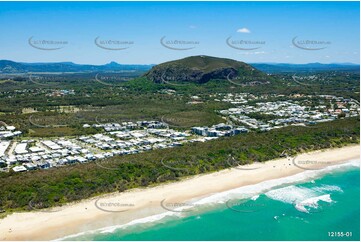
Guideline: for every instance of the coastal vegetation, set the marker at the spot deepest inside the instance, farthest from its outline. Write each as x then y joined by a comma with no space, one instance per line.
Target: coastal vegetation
58,105
46,188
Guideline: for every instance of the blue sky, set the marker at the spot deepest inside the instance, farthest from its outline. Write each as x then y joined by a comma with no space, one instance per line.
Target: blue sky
206,25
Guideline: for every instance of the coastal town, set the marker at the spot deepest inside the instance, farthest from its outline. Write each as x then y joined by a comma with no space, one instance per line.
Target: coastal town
283,113
251,113
180,121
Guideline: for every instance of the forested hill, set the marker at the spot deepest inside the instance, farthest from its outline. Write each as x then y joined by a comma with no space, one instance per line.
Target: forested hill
201,69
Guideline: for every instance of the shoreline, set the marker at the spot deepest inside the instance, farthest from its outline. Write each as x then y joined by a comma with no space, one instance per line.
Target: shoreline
121,208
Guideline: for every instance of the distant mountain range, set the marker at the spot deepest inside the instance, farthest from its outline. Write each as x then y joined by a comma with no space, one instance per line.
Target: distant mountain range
310,67
8,67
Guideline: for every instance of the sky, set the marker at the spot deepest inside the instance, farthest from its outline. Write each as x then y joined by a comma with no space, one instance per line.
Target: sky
155,32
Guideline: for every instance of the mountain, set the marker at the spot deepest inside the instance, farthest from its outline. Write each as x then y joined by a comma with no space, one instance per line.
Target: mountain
7,66
201,69
310,67
195,68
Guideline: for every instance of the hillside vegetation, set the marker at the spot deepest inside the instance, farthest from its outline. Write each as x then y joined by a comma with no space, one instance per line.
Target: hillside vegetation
47,188
201,69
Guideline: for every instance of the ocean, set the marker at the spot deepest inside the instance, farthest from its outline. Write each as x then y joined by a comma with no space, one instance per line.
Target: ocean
313,205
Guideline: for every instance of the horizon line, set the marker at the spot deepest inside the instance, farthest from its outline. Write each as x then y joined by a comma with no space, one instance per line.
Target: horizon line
265,62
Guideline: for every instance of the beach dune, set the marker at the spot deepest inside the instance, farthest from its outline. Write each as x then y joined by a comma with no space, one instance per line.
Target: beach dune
120,208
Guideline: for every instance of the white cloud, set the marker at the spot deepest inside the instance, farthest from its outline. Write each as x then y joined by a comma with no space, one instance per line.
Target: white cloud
244,30
192,27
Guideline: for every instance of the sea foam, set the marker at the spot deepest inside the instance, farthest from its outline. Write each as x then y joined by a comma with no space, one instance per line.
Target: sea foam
301,197
246,192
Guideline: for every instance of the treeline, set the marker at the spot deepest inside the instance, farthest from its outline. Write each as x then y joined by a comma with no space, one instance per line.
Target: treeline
132,108
91,92
47,188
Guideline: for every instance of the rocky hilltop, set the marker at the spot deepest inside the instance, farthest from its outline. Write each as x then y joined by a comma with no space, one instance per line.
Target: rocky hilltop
201,69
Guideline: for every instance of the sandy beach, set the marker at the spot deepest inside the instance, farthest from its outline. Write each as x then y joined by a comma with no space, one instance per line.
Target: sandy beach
121,208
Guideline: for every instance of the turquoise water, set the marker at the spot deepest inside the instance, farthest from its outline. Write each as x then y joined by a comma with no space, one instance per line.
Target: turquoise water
322,202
